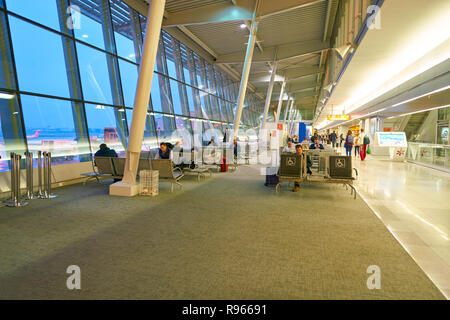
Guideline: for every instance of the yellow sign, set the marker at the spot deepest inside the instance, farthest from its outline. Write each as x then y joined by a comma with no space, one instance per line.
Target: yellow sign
339,117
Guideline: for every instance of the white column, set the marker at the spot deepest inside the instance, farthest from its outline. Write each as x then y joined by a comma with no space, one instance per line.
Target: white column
128,187
245,74
280,102
288,106
269,96
294,117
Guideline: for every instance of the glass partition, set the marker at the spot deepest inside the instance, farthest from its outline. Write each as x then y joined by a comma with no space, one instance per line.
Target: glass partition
429,154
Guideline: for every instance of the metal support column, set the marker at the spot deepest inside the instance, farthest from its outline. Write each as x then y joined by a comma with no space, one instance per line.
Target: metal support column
269,96
246,71
153,31
288,106
280,102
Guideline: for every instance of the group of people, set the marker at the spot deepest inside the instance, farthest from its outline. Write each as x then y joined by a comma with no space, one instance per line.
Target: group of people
360,141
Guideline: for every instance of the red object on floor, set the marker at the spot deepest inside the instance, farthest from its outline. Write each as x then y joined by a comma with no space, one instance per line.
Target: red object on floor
224,165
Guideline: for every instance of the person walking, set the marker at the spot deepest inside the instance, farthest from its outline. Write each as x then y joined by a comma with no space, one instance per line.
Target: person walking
349,141
364,141
341,138
357,143
333,137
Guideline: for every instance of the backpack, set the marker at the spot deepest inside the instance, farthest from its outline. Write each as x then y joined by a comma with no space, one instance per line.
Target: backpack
366,140
350,140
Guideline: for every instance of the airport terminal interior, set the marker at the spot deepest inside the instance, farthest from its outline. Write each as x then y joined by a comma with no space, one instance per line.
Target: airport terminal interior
225,149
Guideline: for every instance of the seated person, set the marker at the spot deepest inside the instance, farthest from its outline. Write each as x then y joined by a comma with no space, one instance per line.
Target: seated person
104,151
289,148
177,147
211,142
164,152
299,151
316,145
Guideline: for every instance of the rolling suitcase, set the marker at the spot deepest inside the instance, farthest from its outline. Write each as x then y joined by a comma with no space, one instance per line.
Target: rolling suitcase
271,176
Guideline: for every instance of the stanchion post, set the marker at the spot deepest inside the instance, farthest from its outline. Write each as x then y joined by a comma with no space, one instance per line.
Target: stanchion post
16,200
40,193
30,187
13,177
49,175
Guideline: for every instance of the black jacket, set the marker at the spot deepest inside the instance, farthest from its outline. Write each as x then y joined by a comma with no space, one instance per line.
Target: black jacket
106,152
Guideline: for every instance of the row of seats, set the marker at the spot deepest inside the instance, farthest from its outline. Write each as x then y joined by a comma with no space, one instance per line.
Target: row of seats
114,168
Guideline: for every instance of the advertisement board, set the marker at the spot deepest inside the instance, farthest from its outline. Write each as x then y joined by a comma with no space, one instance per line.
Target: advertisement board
391,139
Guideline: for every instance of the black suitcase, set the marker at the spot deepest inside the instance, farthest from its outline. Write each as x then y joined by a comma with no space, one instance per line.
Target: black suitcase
271,176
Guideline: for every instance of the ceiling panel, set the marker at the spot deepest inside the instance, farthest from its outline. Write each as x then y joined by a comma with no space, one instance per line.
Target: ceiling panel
302,24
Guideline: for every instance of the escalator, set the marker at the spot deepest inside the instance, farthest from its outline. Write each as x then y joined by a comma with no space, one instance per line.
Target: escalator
414,124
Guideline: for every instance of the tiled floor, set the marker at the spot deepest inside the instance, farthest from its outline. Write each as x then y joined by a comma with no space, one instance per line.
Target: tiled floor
414,203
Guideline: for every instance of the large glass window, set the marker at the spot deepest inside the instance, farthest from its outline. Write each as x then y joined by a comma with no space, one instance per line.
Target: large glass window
129,77
39,58
44,12
94,75
176,97
7,77
164,127
94,90
126,30
190,97
50,126
11,134
103,127
91,21
155,94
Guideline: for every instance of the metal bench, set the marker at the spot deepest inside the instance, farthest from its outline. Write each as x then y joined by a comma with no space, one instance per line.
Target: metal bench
105,169
167,173
292,169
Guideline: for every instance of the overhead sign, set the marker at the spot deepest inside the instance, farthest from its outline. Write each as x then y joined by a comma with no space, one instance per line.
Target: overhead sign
339,117
279,126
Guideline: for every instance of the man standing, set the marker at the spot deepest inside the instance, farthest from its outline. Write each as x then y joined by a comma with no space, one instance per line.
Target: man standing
225,135
333,137
364,141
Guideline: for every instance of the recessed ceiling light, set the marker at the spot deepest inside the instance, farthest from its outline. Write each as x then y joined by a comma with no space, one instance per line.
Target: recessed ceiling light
243,26
85,36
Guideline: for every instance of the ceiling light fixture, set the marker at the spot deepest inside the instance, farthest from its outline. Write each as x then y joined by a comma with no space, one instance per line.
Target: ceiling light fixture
6,96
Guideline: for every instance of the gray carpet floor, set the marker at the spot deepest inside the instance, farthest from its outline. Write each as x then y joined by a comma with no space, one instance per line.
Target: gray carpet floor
228,237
